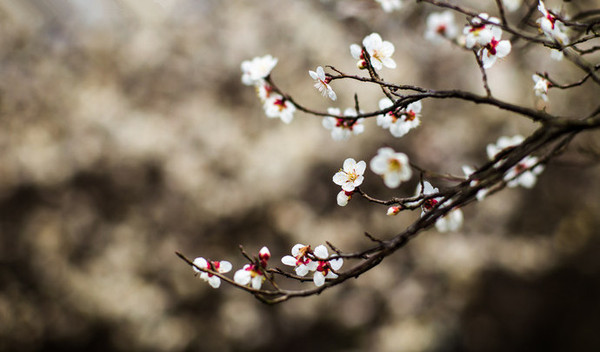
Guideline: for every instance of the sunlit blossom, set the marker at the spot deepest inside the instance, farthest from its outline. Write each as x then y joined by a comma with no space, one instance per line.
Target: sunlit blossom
351,174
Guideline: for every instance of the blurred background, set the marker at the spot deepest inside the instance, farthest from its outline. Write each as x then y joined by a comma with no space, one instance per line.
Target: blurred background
126,135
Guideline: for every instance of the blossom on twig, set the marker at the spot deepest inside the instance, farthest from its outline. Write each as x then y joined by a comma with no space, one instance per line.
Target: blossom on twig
343,127
380,52
222,267
325,266
253,273
351,174
300,260
322,83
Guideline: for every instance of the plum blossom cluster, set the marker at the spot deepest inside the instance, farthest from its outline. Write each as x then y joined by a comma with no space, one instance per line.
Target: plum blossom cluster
399,121
525,172
304,260
255,73
400,112
342,127
484,35
552,28
451,221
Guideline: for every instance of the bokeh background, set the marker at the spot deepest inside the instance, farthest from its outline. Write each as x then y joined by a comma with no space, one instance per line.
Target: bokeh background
126,135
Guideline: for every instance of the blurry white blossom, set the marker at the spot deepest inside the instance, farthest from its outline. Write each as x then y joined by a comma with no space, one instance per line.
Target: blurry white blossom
393,166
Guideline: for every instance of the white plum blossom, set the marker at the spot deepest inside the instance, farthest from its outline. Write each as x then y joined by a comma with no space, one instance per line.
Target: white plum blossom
218,266
393,166
480,33
322,83
399,122
408,120
276,106
343,198
495,49
512,5
427,189
541,86
390,5
503,143
524,173
450,222
254,273
343,127
551,26
325,266
256,70
351,174
300,260
379,50
440,26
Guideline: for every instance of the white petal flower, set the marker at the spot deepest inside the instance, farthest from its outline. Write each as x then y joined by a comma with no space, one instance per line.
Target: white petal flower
300,260
551,26
218,266
450,222
493,50
541,86
351,175
407,120
243,276
440,26
524,173
325,266
278,107
343,127
394,167
256,70
390,5
427,189
380,51
480,32
322,83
